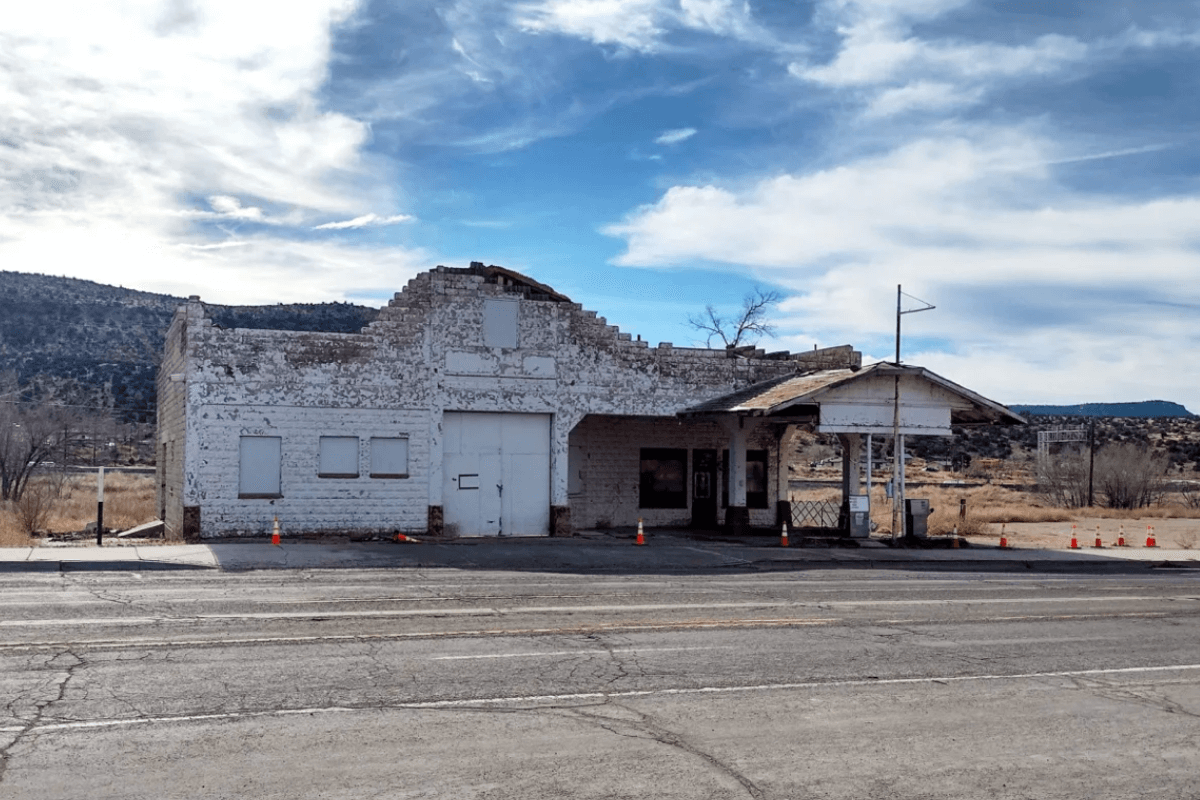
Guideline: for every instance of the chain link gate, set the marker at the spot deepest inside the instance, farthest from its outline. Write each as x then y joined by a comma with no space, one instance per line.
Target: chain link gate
816,513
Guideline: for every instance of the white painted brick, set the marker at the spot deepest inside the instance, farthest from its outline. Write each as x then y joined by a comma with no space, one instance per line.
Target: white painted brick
425,354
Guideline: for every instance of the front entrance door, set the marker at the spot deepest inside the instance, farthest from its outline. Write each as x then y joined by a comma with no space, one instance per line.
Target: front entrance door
704,488
496,474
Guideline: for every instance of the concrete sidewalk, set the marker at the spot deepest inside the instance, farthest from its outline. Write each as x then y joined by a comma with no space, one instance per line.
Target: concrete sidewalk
591,551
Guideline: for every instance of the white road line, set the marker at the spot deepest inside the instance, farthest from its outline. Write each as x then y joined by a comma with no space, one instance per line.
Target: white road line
607,627
399,612
580,696
596,652
566,609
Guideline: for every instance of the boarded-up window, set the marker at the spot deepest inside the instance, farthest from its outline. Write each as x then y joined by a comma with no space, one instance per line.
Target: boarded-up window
389,458
500,322
339,457
664,478
258,467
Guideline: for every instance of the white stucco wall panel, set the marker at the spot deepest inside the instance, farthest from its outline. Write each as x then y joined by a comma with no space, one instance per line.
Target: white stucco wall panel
869,407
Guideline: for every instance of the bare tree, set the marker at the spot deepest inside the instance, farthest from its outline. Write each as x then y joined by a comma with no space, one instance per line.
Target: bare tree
29,434
1063,479
1130,475
750,322
1126,475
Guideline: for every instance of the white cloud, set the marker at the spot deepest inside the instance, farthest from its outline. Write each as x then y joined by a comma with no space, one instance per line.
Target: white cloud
897,71
873,53
115,116
159,254
227,206
921,96
675,136
366,220
956,221
631,24
638,25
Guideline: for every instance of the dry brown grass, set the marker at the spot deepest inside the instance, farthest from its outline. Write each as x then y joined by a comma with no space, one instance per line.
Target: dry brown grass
989,505
129,500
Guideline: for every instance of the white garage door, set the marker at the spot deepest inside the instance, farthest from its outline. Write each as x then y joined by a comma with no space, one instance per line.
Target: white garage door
497,473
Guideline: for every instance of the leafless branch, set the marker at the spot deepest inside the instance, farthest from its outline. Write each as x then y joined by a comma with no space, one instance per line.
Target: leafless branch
750,324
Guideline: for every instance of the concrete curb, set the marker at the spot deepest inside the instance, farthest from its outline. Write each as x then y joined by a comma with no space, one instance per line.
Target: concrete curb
591,552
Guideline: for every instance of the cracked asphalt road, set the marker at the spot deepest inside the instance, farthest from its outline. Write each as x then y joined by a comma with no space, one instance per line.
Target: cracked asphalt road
449,683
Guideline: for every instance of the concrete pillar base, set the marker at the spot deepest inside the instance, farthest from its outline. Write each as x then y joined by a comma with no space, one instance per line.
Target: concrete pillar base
560,521
191,523
737,520
783,512
435,522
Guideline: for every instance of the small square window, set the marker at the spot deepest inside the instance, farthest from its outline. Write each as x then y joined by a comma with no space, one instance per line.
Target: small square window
389,458
259,467
338,457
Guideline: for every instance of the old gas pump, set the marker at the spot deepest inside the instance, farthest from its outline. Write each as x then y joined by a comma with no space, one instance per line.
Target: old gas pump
860,516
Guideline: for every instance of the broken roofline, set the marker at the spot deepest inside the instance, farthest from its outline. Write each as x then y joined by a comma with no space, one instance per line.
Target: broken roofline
513,282
793,392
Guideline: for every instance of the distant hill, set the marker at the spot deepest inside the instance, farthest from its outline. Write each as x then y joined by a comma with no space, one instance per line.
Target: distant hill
98,346
1145,409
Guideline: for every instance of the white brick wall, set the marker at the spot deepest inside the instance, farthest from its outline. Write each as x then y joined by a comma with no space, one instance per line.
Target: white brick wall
310,502
424,355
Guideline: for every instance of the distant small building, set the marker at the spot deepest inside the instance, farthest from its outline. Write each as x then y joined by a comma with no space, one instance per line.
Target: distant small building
483,403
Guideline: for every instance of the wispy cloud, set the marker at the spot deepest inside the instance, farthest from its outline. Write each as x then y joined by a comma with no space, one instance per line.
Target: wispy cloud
364,221
675,136
631,24
641,26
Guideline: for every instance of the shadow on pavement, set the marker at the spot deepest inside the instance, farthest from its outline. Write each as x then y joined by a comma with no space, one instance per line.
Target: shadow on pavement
613,552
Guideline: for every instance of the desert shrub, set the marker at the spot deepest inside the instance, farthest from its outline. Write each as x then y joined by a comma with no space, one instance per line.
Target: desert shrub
33,508
11,534
1189,496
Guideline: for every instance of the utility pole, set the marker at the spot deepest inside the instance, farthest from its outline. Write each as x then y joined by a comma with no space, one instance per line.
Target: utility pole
897,438
1091,459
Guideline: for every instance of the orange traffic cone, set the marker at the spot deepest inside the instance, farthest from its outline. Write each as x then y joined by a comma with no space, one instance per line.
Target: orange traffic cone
275,532
402,538
1098,542
783,540
1150,540
1121,538
1074,541
1003,537
641,537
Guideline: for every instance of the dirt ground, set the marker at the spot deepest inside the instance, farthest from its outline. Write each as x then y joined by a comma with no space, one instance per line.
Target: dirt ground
1172,534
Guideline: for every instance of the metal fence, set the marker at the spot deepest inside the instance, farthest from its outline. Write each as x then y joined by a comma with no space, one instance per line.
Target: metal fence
816,513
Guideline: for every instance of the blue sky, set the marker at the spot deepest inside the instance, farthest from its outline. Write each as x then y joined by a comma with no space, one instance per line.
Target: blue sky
1030,168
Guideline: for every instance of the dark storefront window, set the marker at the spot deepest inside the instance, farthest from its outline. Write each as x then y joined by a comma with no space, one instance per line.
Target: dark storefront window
664,478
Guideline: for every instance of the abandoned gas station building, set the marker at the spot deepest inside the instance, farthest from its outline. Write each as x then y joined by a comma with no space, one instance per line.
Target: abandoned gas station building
483,403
